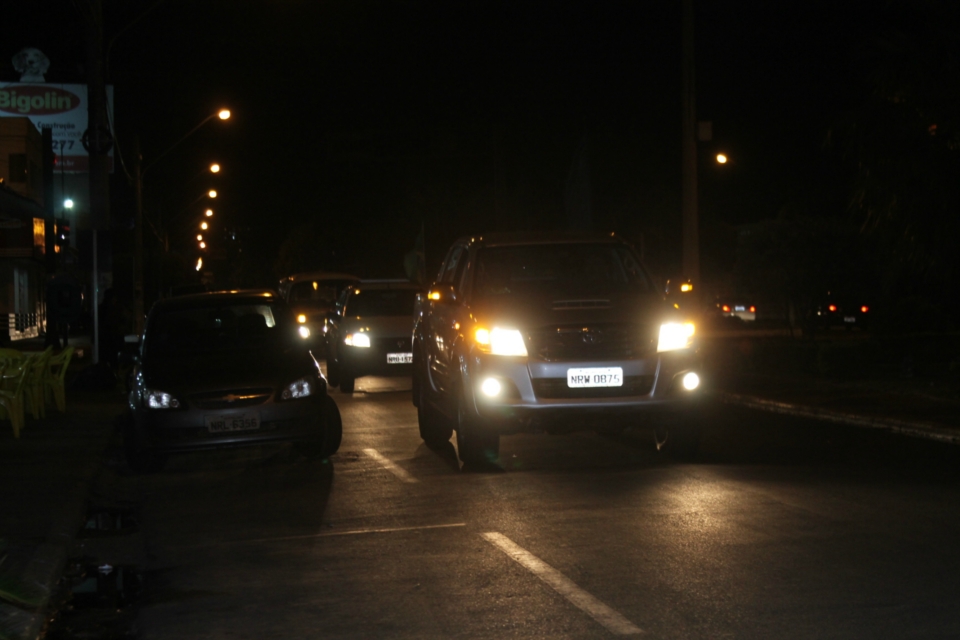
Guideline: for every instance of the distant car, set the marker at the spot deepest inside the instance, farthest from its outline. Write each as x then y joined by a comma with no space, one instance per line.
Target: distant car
839,311
313,298
738,309
373,332
553,332
225,369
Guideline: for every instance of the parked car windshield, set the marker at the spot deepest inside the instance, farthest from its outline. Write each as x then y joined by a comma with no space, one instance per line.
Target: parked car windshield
567,269
366,303
220,327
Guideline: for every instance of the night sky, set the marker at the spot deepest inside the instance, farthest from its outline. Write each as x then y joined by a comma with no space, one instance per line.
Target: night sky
355,122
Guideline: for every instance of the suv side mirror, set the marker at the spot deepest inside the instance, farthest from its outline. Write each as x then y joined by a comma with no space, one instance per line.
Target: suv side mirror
442,293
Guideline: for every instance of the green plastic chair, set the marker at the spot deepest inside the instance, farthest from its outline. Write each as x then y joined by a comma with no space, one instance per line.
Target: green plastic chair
34,388
12,382
54,379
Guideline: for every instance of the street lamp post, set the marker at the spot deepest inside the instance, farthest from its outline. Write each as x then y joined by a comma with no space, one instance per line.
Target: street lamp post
139,173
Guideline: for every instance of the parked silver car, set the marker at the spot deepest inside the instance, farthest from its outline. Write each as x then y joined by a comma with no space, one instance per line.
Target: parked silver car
550,331
225,369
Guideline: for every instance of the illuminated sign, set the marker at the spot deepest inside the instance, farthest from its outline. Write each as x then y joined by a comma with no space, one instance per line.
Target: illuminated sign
62,108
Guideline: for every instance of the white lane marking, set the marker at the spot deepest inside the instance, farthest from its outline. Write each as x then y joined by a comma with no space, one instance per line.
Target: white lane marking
389,466
353,532
613,621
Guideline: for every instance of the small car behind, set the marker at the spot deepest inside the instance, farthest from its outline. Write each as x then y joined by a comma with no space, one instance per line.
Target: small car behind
373,333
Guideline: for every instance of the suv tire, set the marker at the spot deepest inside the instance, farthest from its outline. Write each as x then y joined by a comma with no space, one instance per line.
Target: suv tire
434,428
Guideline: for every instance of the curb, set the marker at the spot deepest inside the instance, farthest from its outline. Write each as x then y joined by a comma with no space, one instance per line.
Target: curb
914,429
48,560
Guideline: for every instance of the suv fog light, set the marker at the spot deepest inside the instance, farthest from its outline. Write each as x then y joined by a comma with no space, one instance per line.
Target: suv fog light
691,381
490,387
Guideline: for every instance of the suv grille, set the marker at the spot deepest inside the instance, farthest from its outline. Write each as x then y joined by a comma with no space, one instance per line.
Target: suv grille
593,342
234,399
557,388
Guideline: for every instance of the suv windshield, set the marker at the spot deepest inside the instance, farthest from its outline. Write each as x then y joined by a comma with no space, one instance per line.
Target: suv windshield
366,303
222,327
567,269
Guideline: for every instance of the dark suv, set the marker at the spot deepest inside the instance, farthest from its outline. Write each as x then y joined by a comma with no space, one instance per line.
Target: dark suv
549,331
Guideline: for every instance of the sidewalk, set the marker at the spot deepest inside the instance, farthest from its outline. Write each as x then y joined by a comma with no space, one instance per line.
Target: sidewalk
916,395
46,475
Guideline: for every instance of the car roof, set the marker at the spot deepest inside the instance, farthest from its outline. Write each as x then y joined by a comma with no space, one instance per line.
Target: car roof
235,296
387,284
540,237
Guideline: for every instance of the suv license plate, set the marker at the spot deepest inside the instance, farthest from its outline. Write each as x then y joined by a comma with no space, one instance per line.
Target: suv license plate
236,422
399,358
595,377
850,319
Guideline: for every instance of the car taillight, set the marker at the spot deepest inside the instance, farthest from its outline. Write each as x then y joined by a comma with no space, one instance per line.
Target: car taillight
864,309
726,308
753,309
832,307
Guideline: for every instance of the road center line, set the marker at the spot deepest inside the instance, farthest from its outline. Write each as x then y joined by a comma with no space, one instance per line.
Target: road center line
389,466
613,621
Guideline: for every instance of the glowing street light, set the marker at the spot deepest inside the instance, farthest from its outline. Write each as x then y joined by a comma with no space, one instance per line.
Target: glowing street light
68,203
208,213
203,245
224,114
199,263
215,168
199,237
722,158
204,226
212,193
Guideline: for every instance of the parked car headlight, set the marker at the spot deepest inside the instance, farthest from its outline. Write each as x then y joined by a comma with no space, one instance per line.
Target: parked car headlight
299,388
357,340
159,400
500,342
675,335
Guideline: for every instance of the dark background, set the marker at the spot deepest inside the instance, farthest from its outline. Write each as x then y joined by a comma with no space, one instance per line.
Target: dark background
357,122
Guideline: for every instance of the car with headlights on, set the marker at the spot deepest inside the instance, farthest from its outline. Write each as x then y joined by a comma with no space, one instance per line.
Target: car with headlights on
555,332
373,332
225,369
313,298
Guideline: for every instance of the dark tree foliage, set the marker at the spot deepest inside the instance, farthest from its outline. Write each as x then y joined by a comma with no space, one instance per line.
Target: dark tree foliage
901,140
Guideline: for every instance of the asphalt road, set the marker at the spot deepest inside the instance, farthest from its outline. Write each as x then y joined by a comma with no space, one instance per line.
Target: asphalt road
785,528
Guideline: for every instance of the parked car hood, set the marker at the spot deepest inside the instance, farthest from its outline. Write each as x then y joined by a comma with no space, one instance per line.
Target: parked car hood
228,369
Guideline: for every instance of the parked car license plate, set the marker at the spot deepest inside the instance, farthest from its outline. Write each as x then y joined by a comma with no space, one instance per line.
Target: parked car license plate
399,358
595,377
235,422
849,319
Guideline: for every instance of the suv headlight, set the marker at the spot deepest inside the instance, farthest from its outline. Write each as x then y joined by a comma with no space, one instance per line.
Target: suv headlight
675,335
159,400
357,340
301,388
500,342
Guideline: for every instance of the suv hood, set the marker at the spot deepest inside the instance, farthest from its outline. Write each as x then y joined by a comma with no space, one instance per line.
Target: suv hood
550,310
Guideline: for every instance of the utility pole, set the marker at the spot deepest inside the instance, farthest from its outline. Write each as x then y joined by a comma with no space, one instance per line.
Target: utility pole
137,238
689,205
97,139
